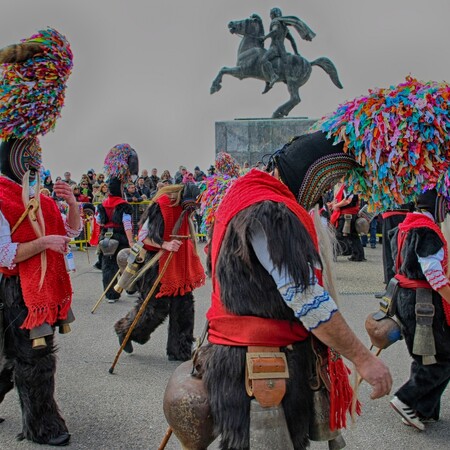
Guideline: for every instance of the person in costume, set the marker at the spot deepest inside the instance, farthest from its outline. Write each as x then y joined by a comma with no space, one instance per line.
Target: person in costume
35,288
114,214
420,251
346,204
167,226
268,291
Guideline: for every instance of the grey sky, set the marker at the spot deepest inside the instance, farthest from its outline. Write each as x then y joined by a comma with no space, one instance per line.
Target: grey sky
143,69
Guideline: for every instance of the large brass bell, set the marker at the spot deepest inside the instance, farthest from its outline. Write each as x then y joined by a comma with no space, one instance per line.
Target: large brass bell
38,334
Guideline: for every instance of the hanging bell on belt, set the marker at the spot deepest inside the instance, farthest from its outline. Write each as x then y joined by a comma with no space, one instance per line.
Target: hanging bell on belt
347,224
38,334
319,428
268,428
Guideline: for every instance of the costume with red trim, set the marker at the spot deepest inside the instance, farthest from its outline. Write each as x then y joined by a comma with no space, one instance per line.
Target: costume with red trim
350,242
35,295
419,236
174,295
51,301
120,165
247,309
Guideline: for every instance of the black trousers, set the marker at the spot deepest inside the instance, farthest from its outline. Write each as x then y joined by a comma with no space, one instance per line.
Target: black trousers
426,384
179,309
350,244
31,371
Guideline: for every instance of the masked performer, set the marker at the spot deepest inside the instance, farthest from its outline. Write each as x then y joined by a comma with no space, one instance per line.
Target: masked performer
35,288
167,226
114,214
266,269
267,292
423,308
345,213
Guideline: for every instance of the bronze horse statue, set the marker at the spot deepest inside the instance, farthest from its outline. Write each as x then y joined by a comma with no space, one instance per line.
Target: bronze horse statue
295,72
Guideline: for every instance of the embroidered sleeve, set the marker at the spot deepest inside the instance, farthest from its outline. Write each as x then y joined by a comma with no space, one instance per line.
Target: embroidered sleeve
126,220
432,269
313,305
8,249
72,232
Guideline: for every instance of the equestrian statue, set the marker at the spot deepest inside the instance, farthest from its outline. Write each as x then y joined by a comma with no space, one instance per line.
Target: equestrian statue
274,64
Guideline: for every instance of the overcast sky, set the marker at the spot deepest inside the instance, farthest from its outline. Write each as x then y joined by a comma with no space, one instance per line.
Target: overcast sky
143,68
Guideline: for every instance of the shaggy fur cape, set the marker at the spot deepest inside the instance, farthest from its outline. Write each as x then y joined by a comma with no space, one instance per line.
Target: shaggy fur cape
248,289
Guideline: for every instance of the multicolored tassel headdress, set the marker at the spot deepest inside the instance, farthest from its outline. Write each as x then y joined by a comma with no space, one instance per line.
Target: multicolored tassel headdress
400,138
33,84
121,162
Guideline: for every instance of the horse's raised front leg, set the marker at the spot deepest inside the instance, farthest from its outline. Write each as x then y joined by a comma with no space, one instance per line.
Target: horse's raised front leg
287,107
217,83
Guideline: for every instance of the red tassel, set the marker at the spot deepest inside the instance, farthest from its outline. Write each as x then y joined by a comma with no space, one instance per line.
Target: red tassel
341,394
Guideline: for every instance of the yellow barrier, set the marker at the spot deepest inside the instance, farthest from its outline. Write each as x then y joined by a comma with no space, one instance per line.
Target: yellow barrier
86,235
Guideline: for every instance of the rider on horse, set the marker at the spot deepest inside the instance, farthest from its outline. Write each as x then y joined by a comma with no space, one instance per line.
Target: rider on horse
278,33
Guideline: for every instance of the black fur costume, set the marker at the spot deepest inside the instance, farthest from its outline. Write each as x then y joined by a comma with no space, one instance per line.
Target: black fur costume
248,289
109,263
32,371
423,391
180,309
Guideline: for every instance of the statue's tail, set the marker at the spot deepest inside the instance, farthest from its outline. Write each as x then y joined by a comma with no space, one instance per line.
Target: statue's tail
329,68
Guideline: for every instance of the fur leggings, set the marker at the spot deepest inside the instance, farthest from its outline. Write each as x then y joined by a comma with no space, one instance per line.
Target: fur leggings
31,371
180,310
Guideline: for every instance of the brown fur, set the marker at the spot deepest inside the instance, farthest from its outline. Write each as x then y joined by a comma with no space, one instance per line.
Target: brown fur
18,53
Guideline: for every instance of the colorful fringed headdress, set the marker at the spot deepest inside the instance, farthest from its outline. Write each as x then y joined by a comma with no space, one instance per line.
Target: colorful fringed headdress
399,137
33,83
121,162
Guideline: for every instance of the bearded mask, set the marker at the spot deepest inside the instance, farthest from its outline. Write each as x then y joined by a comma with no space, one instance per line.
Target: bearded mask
17,156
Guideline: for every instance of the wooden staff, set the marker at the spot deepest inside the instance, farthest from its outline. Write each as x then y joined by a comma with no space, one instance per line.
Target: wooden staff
141,310
166,438
104,292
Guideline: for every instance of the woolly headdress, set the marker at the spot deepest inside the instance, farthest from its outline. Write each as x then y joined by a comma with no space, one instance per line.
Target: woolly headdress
33,84
215,187
399,136
121,164
395,140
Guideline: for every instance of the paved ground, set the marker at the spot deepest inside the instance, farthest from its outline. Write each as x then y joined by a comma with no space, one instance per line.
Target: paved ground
124,410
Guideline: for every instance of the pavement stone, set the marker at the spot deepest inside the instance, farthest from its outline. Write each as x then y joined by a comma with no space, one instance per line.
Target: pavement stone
124,410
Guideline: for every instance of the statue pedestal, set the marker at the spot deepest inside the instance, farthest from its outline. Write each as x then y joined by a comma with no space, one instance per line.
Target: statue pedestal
251,139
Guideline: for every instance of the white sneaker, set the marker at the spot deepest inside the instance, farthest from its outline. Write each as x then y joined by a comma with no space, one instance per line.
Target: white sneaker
407,413
405,422
111,300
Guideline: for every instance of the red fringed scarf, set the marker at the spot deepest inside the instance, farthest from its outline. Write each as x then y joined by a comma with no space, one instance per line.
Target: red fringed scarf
226,328
52,301
414,220
185,272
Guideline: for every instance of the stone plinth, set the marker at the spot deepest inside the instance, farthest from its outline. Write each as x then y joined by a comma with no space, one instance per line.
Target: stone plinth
251,139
